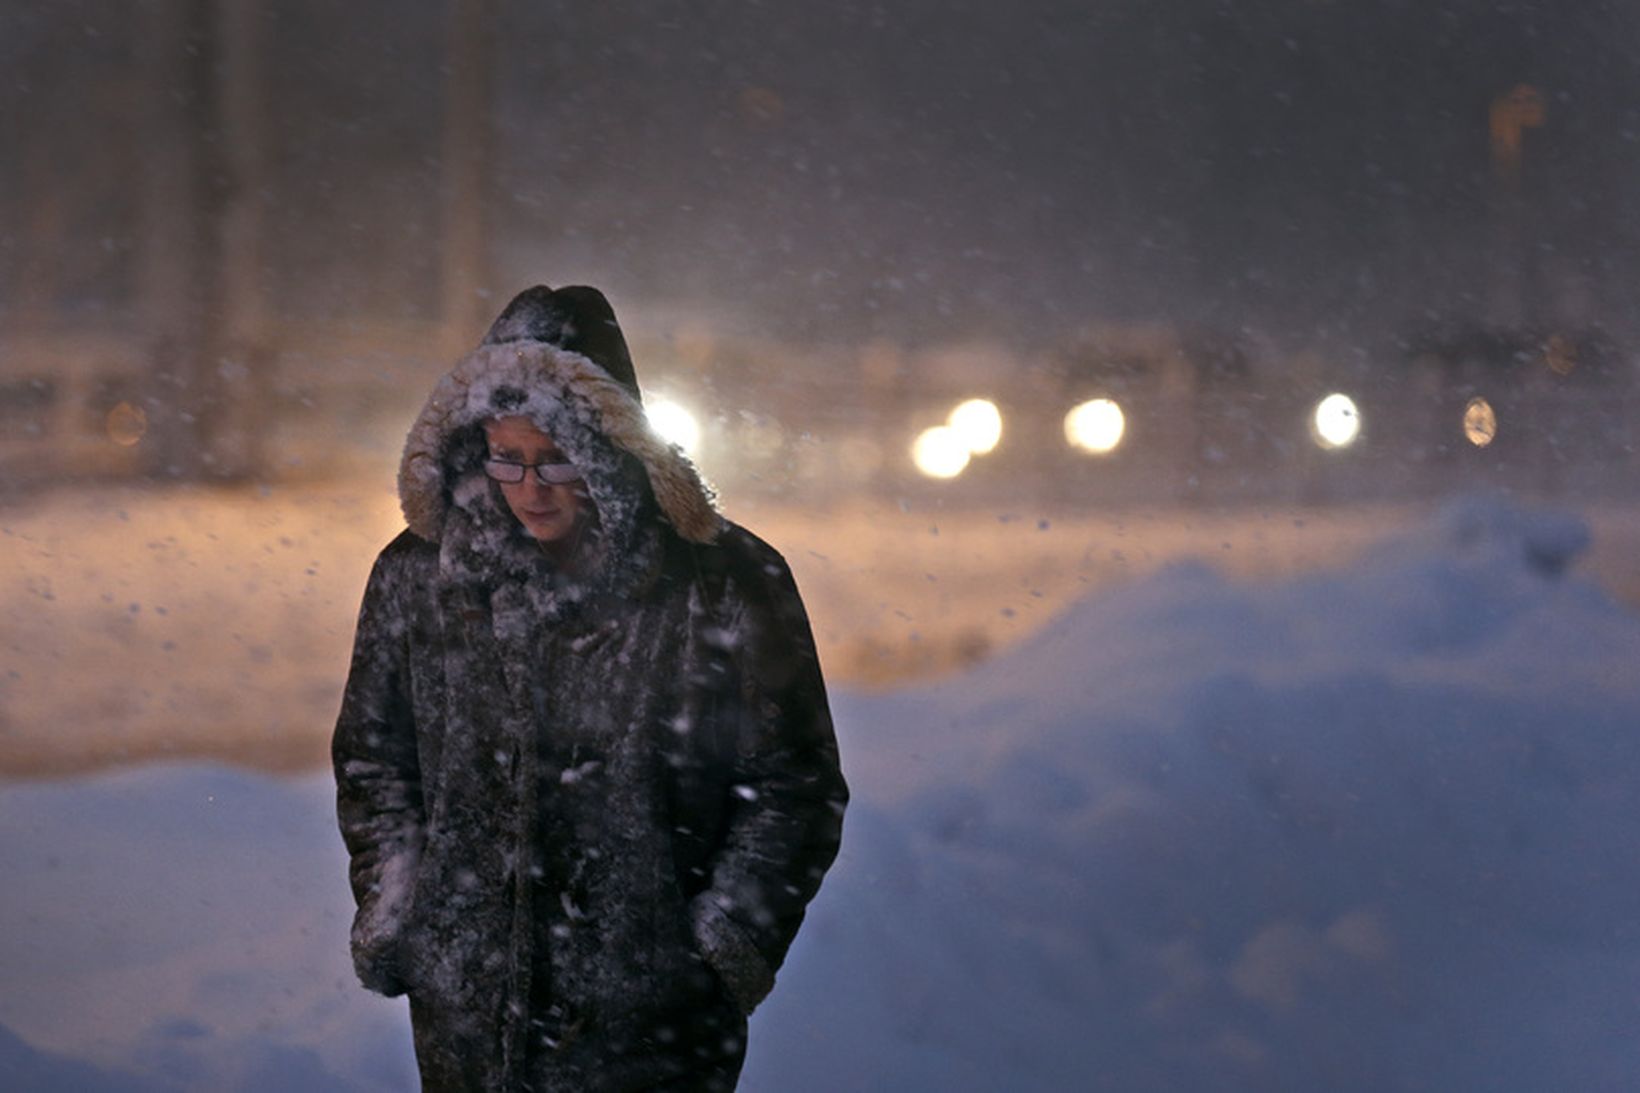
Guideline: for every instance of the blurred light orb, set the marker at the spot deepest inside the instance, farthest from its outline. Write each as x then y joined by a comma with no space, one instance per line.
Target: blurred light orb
940,452
979,423
1337,421
126,424
1095,426
1560,352
674,424
1480,422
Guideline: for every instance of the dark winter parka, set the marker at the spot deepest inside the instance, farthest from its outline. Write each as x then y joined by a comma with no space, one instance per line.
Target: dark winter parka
584,815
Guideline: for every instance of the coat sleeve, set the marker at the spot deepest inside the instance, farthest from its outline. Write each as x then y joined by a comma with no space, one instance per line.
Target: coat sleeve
378,782
787,792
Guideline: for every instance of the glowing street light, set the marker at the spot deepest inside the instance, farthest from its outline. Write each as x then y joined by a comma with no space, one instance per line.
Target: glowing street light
126,424
1480,422
674,424
1337,421
940,452
979,423
1095,426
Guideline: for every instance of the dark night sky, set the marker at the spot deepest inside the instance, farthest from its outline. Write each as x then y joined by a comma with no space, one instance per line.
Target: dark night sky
935,165
923,169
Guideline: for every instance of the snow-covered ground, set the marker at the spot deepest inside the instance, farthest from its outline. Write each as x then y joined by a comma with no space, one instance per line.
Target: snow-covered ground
1372,828
216,623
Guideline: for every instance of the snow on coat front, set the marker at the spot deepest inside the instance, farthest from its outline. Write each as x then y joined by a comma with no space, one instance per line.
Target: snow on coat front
565,800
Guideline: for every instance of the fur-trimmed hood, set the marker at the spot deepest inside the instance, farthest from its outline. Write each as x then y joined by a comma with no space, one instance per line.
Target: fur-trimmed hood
595,419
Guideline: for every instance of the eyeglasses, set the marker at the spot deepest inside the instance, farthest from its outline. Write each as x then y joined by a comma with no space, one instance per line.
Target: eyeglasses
510,473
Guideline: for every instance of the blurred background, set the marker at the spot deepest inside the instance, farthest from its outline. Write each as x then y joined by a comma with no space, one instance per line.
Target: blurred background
967,307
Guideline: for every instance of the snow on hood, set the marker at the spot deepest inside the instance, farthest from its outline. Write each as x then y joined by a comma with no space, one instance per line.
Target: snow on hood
590,415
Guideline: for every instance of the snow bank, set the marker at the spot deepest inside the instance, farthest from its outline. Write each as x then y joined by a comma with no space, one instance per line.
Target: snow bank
185,928
1364,830
1370,829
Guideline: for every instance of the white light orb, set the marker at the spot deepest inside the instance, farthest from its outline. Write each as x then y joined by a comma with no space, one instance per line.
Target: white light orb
674,424
940,452
1336,422
979,423
1095,426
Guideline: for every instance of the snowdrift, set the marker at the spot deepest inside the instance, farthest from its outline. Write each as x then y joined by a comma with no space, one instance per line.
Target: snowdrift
1370,829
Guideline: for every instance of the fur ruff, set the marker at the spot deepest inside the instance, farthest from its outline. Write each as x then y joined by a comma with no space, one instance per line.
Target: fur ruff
462,398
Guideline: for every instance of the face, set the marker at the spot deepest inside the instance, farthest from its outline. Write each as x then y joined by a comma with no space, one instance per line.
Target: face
550,513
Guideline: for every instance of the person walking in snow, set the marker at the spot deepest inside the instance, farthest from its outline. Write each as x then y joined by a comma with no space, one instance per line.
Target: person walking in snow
585,767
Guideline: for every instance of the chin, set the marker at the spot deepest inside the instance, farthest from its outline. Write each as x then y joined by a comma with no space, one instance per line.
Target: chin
552,533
